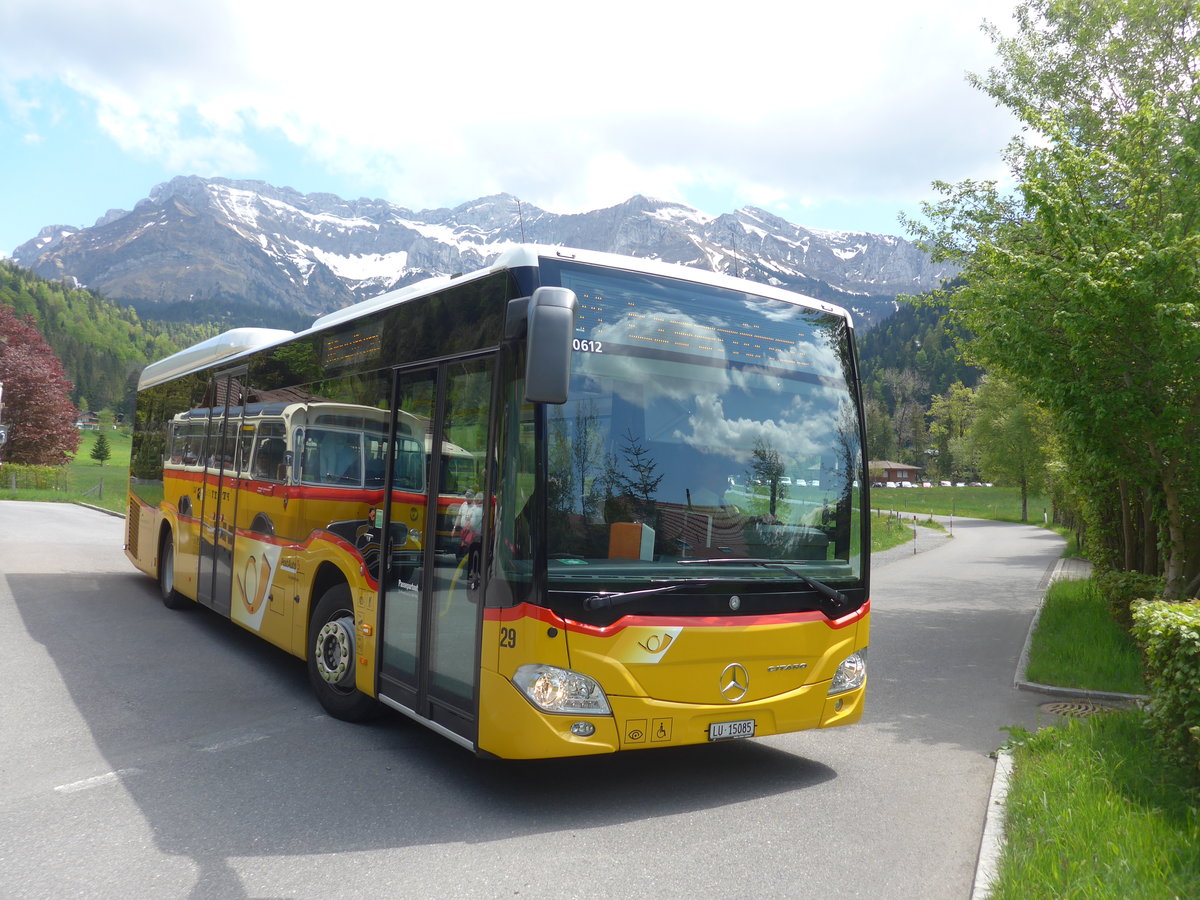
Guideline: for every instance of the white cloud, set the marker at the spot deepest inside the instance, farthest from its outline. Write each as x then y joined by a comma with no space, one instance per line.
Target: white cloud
781,106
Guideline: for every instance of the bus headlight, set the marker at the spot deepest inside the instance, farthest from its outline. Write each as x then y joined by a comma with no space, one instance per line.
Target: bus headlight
558,690
850,674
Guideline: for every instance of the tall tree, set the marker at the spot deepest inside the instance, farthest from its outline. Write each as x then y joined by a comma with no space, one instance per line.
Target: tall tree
37,405
639,481
905,389
1080,286
767,466
1009,435
950,417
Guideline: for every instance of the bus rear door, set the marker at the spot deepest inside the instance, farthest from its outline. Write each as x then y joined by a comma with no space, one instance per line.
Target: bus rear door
214,582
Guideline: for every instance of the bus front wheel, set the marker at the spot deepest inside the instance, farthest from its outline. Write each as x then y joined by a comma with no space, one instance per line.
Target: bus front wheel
332,660
171,598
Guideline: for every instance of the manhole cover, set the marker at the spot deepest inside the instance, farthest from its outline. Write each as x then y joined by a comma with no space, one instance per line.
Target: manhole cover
1075,709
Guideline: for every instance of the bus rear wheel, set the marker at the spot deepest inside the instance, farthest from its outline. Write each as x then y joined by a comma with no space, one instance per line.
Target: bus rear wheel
171,598
332,660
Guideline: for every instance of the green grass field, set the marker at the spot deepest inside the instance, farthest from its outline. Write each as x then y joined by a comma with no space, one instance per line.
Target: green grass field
84,479
1078,645
888,532
1000,503
1095,811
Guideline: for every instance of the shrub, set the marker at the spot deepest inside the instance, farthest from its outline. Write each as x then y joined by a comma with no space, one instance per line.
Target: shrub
1170,637
17,476
1120,589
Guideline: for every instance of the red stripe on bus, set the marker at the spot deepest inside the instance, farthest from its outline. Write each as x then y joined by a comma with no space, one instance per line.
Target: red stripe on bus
541,614
309,491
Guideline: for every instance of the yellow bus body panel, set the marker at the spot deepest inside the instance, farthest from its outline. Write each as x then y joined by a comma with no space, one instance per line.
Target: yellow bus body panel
663,680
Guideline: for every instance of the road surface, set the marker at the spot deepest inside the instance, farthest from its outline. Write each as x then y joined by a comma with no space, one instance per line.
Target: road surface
145,752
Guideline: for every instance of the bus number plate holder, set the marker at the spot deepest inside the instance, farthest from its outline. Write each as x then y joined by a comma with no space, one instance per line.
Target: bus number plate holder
728,731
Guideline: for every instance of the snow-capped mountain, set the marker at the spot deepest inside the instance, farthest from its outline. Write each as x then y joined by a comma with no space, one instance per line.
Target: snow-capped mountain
251,253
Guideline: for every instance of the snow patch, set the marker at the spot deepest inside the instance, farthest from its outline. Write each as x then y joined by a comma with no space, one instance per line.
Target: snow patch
845,254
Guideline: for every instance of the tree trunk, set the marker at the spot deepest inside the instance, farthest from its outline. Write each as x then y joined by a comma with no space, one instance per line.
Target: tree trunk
1149,536
1128,538
1176,540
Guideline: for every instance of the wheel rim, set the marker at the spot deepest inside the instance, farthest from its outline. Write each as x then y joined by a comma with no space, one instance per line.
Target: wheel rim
334,652
166,570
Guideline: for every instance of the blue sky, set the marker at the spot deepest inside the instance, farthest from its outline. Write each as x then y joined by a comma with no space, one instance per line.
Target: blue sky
830,115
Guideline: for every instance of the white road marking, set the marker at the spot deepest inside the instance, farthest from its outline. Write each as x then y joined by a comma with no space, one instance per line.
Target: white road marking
233,742
96,781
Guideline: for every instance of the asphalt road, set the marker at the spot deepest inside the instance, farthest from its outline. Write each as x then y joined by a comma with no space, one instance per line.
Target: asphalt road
145,752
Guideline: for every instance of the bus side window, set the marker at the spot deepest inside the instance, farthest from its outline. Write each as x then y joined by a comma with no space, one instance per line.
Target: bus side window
307,450
408,467
269,463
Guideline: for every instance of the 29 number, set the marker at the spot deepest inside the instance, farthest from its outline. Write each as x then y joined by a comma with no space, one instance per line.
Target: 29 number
508,637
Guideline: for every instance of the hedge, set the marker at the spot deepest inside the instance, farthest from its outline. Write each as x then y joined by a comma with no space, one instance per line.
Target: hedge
1170,637
18,476
1121,589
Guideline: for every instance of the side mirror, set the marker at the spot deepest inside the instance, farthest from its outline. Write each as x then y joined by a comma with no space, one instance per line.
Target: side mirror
550,330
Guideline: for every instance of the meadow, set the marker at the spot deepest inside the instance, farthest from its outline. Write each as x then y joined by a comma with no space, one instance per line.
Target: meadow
1000,503
82,480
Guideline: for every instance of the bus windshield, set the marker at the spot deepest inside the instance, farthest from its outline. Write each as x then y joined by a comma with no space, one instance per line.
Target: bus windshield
703,424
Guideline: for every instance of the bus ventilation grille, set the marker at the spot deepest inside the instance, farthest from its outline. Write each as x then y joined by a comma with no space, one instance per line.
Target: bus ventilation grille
132,522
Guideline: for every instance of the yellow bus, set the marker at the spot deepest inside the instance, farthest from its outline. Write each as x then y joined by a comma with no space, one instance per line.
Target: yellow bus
644,525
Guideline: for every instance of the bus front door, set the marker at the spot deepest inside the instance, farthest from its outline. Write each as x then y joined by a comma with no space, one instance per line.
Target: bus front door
430,589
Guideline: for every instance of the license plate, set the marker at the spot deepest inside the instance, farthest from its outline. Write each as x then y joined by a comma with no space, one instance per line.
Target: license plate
727,731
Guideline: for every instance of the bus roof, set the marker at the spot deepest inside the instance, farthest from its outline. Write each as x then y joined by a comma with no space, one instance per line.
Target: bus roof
240,341
226,345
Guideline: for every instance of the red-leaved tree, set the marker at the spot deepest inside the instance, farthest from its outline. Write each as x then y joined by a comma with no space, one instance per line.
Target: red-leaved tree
37,396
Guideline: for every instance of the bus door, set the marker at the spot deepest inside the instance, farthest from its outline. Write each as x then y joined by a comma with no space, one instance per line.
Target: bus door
432,610
214,582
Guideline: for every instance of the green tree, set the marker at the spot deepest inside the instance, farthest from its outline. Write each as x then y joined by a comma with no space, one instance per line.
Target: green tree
1080,286
950,418
1009,435
881,434
905,390
101,450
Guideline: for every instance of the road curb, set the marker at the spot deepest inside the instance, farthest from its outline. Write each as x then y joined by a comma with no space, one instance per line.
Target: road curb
107,512
991,845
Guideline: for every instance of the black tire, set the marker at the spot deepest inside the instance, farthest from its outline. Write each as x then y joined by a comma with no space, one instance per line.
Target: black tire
332,660
171,598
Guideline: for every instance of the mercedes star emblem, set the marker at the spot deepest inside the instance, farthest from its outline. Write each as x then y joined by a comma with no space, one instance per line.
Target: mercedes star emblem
735,681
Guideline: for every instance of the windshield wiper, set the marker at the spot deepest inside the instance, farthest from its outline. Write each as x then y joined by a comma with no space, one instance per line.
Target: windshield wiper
833,602
836,602
604,601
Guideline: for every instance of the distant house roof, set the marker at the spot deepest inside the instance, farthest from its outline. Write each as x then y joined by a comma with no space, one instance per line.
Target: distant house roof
888,467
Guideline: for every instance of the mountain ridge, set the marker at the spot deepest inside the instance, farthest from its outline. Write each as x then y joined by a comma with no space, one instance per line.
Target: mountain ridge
247,252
